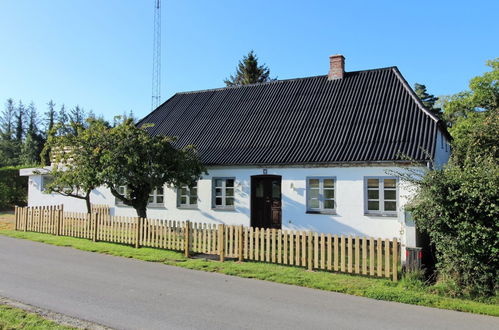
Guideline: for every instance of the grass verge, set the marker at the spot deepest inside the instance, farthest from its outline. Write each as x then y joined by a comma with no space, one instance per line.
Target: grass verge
381,289
15,318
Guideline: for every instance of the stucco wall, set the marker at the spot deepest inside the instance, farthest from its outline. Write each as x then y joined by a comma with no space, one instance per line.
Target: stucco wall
442,150
349,218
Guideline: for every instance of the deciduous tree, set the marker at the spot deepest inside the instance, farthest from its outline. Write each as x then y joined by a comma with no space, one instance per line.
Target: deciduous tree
141,162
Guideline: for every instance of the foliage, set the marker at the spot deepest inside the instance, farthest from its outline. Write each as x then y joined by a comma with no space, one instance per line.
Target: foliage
77,158
249,72
13,188
376,288
141,162
428,100
458,206
23,131
483,95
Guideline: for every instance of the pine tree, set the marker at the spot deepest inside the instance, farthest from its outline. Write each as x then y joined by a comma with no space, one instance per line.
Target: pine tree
7,120
428,100
249,72
19,117
50,117
33,143
9,148
77,118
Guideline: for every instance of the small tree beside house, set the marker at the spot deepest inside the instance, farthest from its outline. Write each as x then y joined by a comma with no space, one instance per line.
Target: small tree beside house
134,159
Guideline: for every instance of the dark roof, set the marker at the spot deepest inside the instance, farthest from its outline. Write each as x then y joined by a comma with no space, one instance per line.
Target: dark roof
367,116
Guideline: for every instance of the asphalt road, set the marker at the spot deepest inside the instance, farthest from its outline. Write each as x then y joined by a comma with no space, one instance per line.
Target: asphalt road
130,294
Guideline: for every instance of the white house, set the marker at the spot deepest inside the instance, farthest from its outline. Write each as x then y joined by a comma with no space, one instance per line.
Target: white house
314,153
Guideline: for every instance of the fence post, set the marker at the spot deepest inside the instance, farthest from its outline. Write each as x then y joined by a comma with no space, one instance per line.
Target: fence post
395,259
221,242
58,223
16,212
240,245
310,249
187,238
137,232
25,215
96,222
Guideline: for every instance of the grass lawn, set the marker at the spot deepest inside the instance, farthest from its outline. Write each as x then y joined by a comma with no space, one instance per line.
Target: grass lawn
7,220
383,289
15,318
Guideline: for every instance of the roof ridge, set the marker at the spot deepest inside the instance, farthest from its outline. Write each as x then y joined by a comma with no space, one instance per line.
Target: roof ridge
275,81
412,93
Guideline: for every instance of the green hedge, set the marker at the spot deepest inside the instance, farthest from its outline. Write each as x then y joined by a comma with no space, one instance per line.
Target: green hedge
13,188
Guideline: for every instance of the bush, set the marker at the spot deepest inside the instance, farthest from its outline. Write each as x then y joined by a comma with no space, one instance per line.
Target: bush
13,188
458,206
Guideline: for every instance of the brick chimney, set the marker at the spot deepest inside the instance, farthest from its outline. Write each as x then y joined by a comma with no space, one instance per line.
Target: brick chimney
336,67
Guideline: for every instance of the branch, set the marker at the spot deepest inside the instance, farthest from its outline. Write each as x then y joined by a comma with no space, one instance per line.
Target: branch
125,200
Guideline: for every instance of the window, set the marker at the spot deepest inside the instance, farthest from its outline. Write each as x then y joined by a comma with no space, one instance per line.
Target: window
381,195
321,195
156,197
122,190
187,197
46,180
223,193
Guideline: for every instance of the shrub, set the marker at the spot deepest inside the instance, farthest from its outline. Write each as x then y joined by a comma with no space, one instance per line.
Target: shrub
458,206
13,188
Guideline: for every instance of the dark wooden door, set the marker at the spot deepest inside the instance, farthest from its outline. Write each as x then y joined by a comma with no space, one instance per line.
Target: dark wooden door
266,201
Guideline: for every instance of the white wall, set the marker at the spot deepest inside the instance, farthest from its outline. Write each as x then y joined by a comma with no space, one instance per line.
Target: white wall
349,218
442,150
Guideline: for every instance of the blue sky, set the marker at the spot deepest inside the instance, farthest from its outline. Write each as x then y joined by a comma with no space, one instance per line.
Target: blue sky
98,54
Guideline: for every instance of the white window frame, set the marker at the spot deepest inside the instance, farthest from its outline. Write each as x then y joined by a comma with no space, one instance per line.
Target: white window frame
381,196
224,196
188,197
321,198
155,194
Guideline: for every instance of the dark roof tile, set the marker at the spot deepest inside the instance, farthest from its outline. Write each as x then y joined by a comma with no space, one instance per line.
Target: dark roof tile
367,116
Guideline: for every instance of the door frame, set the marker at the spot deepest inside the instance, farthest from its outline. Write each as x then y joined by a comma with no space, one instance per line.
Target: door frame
253,191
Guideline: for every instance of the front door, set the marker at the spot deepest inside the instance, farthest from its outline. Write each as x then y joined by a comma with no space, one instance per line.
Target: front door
266,201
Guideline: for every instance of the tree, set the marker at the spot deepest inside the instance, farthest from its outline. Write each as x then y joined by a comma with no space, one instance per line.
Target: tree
249,72
463,109
458,205
428,100
50,117
141,162
77,117
76,166
9,149
19,117
7,121
33,142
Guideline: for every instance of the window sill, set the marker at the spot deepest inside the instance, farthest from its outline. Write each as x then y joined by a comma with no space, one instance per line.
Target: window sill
321,212
187,207
381,214
223,208
156,206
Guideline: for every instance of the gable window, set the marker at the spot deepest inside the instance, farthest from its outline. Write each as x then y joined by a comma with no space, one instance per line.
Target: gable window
321,195
381,195
223,193
187,197
156,197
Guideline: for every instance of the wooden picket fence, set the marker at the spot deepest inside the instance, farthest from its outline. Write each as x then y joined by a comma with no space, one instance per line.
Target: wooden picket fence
314,251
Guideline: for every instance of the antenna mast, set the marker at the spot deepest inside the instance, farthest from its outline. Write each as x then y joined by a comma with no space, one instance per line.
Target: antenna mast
156,58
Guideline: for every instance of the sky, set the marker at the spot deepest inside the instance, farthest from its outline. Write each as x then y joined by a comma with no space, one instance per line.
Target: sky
98,54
